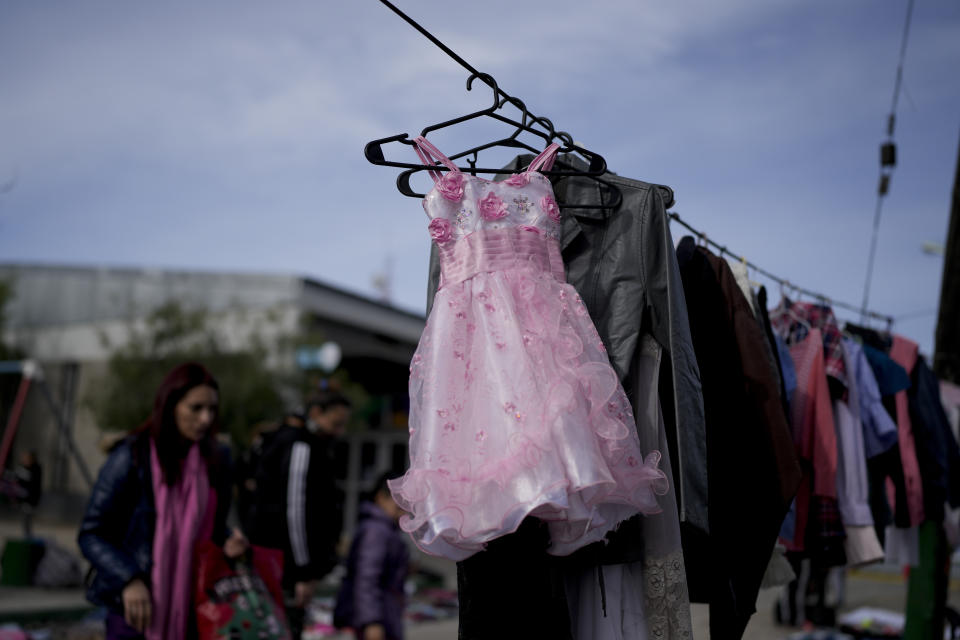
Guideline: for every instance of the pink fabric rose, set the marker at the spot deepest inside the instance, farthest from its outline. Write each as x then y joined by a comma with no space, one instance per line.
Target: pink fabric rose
549,205
440,230
450,186
492,207
525,227
518,180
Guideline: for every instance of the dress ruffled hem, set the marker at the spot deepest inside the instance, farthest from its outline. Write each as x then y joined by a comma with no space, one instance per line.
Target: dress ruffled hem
575,516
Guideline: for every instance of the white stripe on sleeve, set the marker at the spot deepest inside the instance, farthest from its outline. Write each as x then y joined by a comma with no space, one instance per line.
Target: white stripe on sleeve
296,502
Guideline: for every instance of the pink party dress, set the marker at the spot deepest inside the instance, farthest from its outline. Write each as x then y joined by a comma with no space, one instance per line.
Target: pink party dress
515,410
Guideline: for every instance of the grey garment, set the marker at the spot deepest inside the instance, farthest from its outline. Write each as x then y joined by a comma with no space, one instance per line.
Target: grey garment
647,597
666,596
622,597
623,265
853,489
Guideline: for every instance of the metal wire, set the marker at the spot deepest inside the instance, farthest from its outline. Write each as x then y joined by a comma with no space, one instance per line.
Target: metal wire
781,281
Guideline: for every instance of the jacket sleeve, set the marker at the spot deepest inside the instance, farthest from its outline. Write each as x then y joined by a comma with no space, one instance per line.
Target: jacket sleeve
298,474
667,309
110,504
368,593
326,514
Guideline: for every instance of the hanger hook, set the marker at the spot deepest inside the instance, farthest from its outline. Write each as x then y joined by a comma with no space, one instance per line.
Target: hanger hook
489,81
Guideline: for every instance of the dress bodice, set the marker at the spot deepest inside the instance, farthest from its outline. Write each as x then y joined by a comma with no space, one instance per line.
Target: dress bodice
461,204
464,204
480,225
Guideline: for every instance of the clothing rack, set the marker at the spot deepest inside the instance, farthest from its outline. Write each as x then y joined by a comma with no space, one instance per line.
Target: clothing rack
783,282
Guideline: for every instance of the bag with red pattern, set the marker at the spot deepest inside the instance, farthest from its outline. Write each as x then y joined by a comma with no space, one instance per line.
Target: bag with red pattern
240,599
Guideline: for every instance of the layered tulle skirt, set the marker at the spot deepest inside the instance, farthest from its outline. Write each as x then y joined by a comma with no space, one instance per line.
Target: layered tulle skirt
515,411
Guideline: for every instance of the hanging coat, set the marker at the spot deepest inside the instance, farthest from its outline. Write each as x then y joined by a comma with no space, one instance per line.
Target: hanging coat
753,470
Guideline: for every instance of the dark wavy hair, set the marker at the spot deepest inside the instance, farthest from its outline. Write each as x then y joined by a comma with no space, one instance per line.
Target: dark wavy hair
161,426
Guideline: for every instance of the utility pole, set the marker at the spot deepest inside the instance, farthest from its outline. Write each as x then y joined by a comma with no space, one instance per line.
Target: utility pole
946,359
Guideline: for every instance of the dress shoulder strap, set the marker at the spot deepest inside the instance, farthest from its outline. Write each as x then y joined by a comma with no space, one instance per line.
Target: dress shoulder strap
545,159
430,156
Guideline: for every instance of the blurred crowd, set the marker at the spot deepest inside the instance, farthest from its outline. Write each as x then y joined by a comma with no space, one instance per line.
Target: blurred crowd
186,540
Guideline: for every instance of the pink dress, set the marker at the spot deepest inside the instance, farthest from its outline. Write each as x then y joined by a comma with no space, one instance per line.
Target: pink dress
515,410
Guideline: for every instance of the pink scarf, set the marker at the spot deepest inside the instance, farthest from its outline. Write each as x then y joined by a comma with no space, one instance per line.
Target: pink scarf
184,517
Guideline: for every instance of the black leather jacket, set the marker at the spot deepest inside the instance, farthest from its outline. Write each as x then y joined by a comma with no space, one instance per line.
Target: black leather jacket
116,534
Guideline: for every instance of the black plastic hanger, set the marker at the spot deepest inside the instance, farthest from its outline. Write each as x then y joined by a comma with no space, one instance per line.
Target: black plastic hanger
373,150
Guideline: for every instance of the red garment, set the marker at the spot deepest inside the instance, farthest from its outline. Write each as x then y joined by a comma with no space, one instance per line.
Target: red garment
813,431
794,320
905,352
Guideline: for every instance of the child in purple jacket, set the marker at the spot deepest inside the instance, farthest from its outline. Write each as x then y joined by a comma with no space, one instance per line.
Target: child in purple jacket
372,598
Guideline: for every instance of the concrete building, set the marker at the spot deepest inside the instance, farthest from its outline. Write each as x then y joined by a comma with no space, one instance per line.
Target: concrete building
69,319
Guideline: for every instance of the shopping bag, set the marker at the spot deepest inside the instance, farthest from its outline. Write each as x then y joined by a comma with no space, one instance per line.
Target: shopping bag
240,599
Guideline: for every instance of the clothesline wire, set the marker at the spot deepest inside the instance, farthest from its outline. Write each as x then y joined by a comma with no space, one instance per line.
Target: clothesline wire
783,282
432,38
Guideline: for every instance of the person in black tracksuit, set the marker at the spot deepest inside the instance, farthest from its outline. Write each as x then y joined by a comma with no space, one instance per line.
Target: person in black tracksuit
297,506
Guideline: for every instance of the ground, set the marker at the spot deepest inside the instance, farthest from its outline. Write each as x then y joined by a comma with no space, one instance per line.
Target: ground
60,612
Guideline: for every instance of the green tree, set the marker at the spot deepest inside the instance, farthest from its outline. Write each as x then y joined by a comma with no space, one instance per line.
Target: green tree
249,392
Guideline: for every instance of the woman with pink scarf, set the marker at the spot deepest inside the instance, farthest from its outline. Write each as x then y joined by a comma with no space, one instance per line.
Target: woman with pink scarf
163,488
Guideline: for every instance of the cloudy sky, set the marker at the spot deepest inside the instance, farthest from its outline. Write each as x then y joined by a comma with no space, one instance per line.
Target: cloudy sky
229,136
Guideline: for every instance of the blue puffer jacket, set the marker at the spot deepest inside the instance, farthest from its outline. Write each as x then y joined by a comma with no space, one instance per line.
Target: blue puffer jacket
116,534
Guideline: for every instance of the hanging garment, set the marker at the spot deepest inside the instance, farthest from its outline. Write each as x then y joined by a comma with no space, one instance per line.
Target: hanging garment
513,589
515,410
879,429
774,351
653,588
623,266
742,276
779,570
891,377
939,459
745,421
789,371
950,396
793,320
657,362
861,545
883,463
937,452
904,352
814,433
644,557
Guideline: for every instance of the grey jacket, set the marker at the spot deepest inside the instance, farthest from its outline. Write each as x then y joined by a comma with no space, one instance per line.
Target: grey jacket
623,265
